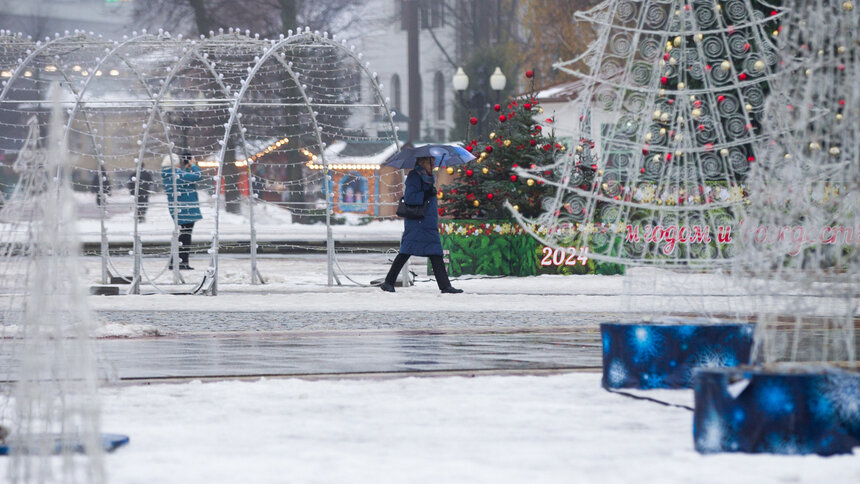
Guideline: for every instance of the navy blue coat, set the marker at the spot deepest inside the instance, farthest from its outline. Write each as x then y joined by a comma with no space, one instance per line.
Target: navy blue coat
421,236
186,187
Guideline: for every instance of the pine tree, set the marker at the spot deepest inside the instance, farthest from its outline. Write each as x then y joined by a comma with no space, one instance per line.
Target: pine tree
519,139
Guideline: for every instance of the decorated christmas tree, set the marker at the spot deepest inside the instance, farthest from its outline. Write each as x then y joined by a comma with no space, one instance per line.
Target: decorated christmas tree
674,92
519,139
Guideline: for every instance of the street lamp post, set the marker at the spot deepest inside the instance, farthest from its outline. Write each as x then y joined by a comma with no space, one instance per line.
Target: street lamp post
475,101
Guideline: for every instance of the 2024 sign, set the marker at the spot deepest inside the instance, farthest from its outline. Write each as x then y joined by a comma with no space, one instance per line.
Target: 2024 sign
568,256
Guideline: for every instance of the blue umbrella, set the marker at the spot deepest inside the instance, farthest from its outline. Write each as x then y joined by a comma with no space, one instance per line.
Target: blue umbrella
443,155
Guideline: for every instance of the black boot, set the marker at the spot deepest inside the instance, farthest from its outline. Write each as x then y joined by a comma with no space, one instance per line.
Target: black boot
386,287
451,290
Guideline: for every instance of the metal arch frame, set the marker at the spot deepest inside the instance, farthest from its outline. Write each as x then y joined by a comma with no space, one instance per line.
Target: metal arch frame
156,108
321,145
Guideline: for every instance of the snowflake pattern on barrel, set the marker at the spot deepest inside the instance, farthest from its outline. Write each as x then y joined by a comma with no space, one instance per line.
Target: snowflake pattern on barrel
756,411
660,355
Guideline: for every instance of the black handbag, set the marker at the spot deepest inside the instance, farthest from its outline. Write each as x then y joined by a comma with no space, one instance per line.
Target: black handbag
405,210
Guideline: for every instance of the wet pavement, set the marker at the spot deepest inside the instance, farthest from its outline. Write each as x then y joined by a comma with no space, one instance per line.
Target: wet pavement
239,344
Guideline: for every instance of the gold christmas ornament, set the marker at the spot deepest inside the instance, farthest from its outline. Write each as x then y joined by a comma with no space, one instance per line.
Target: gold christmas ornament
847,6
483,155
692,98
673,61
787,156
516,208
449,170
678,154
476,203
540,110
679,137
579,148
662,93
492,135
725,65
530,182
440,195
680,120
656,158
484,170
507,142
677,41
668,46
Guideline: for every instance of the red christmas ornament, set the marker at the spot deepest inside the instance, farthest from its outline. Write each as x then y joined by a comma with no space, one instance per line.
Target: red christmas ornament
697,103
742,76
527,106
746,46
469,172
530,74
497,107
666,56
538,128
750,159
641,170
700,127
841,102
502,118
469,148
668,156
513,178
664,80
488,149
474,121
720,98
489,196
645,150
515,165
532,142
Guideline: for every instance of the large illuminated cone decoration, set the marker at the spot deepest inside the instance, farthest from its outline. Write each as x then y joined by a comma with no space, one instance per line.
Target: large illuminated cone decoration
673,101
801,233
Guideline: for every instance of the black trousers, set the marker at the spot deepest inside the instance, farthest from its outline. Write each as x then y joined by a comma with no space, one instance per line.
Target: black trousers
185,241
435,260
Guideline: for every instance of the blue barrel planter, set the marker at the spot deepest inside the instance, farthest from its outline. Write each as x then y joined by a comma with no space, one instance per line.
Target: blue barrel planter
802,410
664,354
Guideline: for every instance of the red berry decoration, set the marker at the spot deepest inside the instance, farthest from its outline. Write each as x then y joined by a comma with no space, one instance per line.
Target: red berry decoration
497,107
502,118
474,121
513,178
751,159
488,149
469,172
530,74
532,142
489,196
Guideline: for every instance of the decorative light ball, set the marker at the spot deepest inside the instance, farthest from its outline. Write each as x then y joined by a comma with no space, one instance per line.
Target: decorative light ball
673,61
668,46
696,113
681,85
507,142
677,41
841,49
449,170
680,120
579,148
485,170
517,208
440,195
492,135
847,6
656,158
678,154
839,117
834,151
759,65
662,92
664,117
724,152
748,107
662,131
787,156
699,37
497,107
679,137
814,146
656,114
725,65
648,136
530,74
476,203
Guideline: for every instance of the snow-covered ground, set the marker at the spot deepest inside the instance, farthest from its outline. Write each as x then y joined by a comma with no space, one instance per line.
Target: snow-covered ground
493,429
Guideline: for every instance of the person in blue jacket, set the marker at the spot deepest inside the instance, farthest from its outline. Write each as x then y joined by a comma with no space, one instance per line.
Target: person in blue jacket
421,236
180,177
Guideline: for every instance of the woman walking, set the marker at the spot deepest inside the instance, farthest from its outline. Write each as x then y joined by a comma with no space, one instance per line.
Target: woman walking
421,236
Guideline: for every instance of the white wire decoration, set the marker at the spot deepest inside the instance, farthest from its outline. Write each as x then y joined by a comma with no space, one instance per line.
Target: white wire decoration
230,97
673,100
